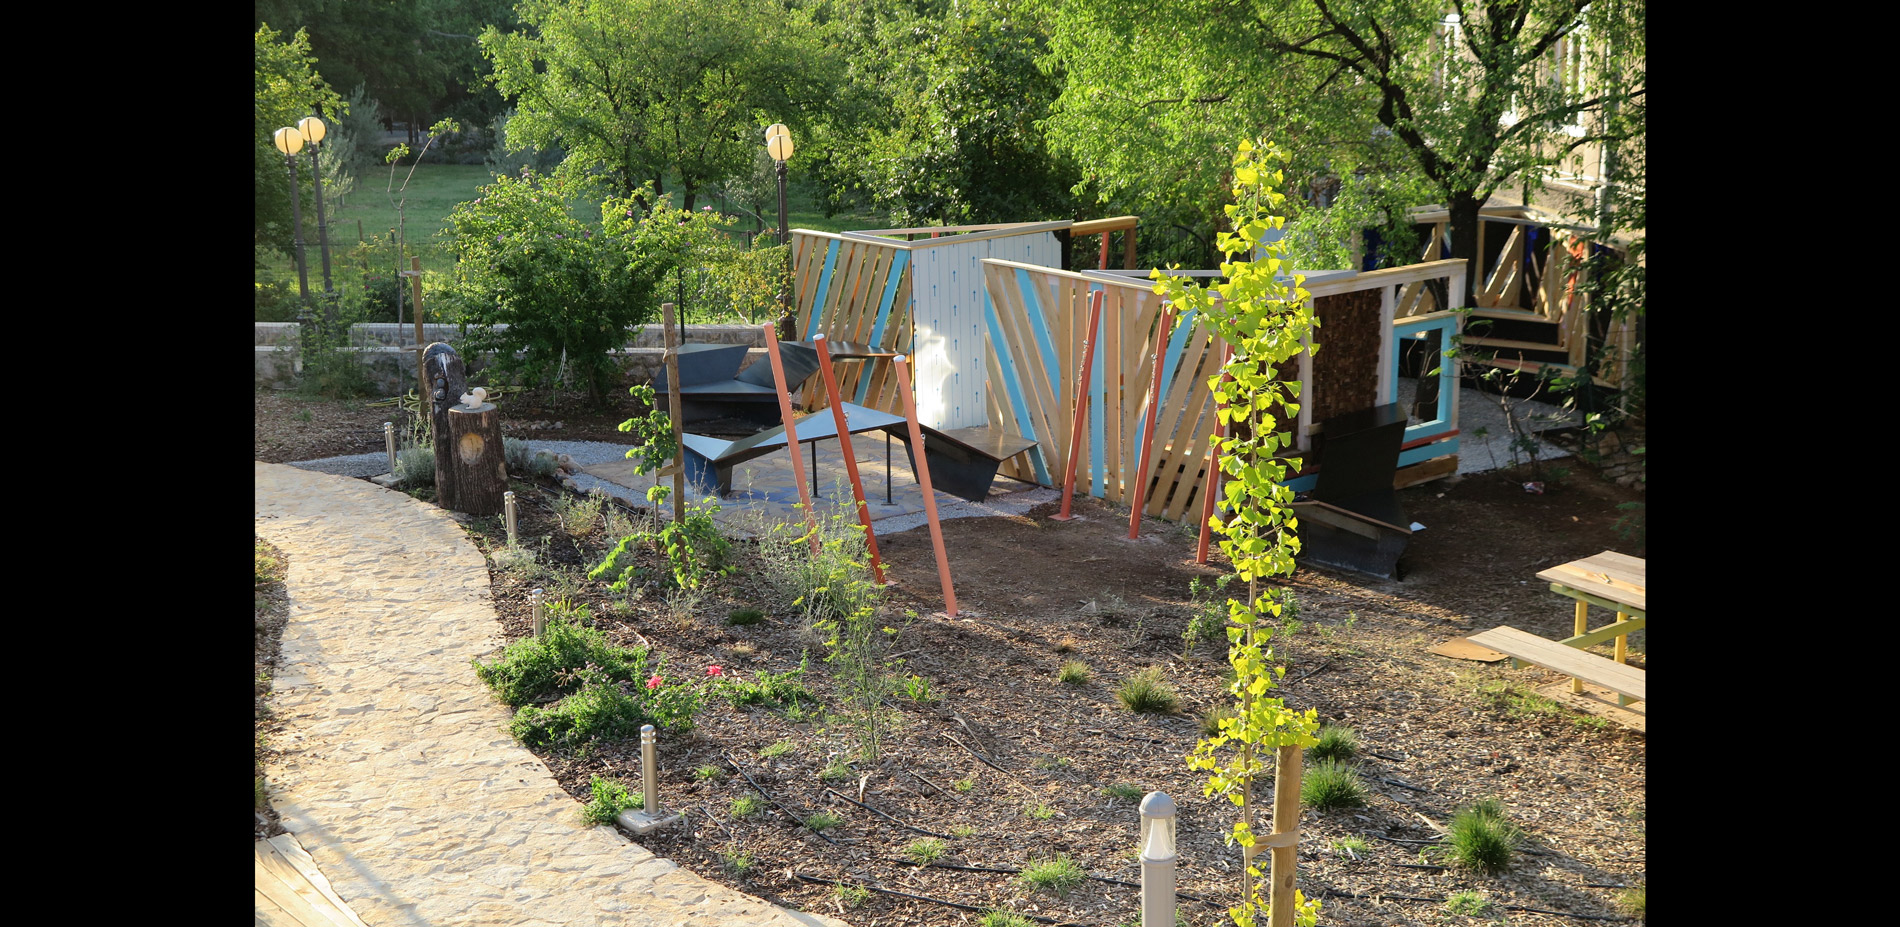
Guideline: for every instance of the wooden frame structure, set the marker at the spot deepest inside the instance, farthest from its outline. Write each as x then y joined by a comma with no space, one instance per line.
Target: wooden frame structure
1036,334
923,298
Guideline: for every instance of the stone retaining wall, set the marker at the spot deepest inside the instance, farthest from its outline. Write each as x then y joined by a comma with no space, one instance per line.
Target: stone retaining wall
385,349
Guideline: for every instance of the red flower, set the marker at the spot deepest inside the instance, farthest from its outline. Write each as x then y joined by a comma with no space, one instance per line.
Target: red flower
655,682
715,670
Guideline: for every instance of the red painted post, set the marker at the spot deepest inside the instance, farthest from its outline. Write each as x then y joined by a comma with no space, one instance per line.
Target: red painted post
850,457
791,431
1148,437
923,479
1213,462
1081,405
1103,263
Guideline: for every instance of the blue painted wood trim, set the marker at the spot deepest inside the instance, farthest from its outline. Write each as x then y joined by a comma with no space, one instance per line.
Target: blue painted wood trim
824,285
1012,385
1426,452
898,264
1040,327
1303,484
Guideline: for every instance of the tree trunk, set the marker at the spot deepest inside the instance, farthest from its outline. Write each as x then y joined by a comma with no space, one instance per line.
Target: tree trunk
442,372
1464,221
477,458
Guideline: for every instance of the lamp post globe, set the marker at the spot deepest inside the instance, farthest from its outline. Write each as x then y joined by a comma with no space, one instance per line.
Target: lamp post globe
290,141
312,130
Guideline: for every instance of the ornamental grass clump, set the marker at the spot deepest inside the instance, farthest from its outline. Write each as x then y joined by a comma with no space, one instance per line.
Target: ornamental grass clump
1331,785
1148,692
1060,875
1335,743
1480,839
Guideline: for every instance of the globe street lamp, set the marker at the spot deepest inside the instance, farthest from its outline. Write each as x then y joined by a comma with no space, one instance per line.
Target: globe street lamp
289,141
778,144
312,129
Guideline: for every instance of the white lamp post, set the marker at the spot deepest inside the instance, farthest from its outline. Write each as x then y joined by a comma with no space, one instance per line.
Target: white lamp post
778,144
312,129
289,141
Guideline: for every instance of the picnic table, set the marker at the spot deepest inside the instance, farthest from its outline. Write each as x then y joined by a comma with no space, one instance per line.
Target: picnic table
1609,580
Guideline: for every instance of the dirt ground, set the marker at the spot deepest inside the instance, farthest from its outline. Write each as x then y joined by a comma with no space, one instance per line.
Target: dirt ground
1010,767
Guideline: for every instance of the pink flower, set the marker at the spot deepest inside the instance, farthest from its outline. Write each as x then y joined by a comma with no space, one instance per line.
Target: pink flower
715,670
705,209
655,682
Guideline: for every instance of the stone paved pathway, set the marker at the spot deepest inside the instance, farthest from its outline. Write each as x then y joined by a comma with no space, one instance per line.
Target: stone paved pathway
397,774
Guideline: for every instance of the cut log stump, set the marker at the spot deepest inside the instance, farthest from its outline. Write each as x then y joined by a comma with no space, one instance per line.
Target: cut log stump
477,464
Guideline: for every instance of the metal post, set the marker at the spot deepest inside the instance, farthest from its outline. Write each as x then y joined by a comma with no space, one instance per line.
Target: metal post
1157,860
786,321
323,225
649,771
389,441
296,215
508,512
540,616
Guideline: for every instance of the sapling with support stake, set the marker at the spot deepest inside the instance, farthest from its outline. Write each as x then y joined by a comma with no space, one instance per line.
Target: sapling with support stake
1265,319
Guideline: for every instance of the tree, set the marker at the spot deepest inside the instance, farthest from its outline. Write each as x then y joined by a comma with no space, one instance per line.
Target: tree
1504,92
638,89
287,88
567,288
946,109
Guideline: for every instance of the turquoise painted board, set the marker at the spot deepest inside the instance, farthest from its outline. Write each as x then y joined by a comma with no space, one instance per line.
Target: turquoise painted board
1013,390
821,301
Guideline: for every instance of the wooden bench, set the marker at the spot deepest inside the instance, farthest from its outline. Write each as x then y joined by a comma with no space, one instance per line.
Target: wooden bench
1523,647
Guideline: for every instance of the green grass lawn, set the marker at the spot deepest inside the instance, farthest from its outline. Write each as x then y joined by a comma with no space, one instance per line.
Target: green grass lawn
433,192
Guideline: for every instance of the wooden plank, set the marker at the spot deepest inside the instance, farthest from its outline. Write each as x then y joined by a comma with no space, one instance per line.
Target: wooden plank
1032,375
1620,579
287,894
1096,226
1577,664
1115,326
1600,702
1607,632
1186,450
1513,344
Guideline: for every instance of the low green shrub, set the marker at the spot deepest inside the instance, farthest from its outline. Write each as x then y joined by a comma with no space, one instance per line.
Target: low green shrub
1331,785
415,465
533,669
1148,692
1335,743
1479,838
778,690
610,798
604,710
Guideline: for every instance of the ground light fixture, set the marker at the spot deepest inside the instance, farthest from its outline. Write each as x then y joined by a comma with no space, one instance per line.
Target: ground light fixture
1157,860
290,141
649,816
389,443
313,130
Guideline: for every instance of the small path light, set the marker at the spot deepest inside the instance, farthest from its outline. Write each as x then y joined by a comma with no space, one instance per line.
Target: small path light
389,442
508,511
1157,860
540,617
649,818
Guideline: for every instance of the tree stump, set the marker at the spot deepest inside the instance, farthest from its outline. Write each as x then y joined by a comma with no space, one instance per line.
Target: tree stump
476,460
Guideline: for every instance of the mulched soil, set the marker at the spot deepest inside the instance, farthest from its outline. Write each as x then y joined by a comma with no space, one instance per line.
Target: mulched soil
1008,766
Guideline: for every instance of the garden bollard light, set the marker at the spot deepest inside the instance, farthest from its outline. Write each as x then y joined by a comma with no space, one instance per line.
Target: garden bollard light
389,441
650,817
1157,860
508,510
540,619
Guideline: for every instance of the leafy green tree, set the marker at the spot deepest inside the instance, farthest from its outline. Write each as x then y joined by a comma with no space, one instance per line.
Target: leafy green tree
287,89
942,119
640,89
1154,91
568,288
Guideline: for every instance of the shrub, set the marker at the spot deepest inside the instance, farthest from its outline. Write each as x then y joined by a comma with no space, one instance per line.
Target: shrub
1480,839
610,798
1060,875
579,515
1148,692
1331,785
535,668
568,289
1074,673
1335,743
415,465
603,710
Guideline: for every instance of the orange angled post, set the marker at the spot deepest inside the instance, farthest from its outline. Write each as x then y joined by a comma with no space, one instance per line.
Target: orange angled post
791,431
1081,405
1148,437
1213,464
923,478
850,457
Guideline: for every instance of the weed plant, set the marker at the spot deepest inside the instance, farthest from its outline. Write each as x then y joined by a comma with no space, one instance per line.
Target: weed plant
926,850
1000,918
917,689
1209,621
779,749
1468,904
1074,673
1634,901
708,773
1039,810
822,821
610,798
746,806
963,830
1060,875
963,785
743,617
836,771
1123,792
1331,785
1480,839
1335,743
777,690
852,896
1351,846
1148,692
736,863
